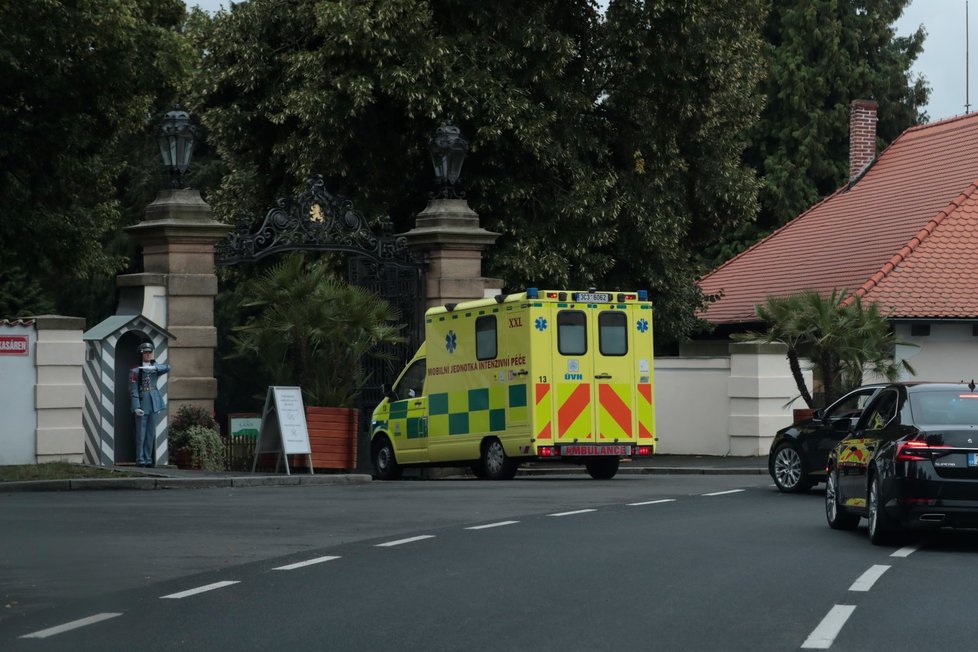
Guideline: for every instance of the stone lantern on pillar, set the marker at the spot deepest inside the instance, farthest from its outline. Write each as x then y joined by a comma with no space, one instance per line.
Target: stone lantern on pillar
177,287
447,231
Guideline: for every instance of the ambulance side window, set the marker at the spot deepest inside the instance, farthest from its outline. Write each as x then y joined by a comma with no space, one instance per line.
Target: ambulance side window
412,382
571,332
485,337
612,333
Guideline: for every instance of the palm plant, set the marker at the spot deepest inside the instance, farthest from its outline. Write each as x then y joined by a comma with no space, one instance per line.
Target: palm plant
312,330
842,337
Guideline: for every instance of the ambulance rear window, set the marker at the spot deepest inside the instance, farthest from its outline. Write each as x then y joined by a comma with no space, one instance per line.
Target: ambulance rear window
612,333
485,337
571,332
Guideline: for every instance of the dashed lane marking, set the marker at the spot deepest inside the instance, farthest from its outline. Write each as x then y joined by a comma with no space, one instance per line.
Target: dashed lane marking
905,552
199,589
576,511
489,525
824,635
868,579
724,493
653,502
390,544
75,624
308,562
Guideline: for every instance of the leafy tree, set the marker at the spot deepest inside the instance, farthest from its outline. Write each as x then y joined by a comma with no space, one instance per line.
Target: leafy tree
77,80
312,330
842,337
600,150
821,55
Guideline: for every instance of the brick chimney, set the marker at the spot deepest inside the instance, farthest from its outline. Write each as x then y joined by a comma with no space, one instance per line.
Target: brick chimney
862,136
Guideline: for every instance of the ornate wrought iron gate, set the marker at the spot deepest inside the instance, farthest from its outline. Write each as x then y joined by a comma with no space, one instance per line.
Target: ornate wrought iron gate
317,220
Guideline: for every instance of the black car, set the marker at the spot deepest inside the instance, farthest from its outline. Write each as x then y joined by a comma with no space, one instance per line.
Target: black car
798,453
910,462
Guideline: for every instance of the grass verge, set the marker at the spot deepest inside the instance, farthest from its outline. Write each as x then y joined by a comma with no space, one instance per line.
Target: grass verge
59,471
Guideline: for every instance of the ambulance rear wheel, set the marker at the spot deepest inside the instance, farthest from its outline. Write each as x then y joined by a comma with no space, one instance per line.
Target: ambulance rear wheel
496,465
602,468
385,464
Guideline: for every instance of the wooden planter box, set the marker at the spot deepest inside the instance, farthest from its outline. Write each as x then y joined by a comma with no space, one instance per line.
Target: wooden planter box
332,438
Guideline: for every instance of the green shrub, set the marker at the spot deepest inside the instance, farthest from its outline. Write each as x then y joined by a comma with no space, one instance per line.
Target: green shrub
205,446
192,415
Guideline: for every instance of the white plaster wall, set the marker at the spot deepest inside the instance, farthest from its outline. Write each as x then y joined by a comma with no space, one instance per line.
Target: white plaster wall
18,420
692,405
949,353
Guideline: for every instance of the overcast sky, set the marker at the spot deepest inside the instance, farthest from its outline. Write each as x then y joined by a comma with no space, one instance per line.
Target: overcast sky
942,62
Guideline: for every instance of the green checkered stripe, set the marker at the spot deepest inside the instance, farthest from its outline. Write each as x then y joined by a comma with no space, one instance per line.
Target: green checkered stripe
414,426
477,410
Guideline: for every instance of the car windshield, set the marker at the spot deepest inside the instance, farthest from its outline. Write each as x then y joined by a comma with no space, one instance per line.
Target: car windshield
945,407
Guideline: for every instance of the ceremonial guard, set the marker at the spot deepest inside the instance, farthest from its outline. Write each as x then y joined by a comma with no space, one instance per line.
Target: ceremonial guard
146,403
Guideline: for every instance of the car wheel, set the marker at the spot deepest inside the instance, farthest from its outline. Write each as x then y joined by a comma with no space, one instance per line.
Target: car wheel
385,464
496,465
788,470
477,470
602,468
882,529
835,514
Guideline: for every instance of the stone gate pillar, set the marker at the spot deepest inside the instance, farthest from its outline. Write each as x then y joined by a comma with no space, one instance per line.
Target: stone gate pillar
178,287
448,234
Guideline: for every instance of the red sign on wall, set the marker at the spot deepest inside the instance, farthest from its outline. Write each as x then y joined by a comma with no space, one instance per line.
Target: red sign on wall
13,345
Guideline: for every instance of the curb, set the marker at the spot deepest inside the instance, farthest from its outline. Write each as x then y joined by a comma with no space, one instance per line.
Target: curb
91,484
652,470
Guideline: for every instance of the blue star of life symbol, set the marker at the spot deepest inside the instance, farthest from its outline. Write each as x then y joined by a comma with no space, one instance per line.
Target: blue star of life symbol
451,341
540,324
642,325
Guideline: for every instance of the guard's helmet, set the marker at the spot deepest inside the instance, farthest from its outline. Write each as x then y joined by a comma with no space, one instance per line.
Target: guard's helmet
145,347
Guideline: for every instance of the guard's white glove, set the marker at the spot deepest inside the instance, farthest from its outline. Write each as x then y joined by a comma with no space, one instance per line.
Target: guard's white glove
139,412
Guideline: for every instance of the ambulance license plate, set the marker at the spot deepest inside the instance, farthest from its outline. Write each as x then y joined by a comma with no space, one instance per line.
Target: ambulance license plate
592,297
595,449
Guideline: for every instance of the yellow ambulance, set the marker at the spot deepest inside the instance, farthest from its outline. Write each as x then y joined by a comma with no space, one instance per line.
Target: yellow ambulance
537,375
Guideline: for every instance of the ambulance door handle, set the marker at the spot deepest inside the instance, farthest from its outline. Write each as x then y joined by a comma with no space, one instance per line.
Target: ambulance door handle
602,376
417,403
521,372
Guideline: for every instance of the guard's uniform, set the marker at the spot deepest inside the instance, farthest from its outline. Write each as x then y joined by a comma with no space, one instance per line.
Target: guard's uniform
145,396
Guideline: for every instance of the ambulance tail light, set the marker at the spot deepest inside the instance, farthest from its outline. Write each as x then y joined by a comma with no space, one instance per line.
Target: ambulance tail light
547,451
643,451
559,296
626,296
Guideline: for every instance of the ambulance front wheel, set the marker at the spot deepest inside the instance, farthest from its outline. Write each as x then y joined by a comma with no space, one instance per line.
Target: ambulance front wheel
496,465
385,464
602,468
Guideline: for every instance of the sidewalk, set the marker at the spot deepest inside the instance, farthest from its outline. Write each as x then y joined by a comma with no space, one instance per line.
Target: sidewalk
173,478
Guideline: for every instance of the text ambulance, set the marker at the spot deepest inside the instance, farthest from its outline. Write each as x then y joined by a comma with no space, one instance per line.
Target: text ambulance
537,375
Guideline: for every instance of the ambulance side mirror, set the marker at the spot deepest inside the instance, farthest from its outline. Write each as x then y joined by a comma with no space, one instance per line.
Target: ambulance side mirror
388,393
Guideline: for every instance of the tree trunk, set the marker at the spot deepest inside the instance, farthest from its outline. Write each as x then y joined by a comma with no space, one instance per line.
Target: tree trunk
799,378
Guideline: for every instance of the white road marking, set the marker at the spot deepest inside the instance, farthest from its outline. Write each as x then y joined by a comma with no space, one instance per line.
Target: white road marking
400,541
829,628
724,493
489,525
653,502
576,511
199,589
308,562
868,579
75,624
905,552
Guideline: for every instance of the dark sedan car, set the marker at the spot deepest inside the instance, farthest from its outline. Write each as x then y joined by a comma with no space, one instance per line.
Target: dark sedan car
798,453
910,462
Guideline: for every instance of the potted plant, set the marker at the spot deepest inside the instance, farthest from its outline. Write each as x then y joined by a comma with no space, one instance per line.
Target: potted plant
312,330
194,440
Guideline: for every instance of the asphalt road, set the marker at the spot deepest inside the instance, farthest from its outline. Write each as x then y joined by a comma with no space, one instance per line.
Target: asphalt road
643,562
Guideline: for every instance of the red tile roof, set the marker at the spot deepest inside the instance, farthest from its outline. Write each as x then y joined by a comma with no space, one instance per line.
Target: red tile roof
904,235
